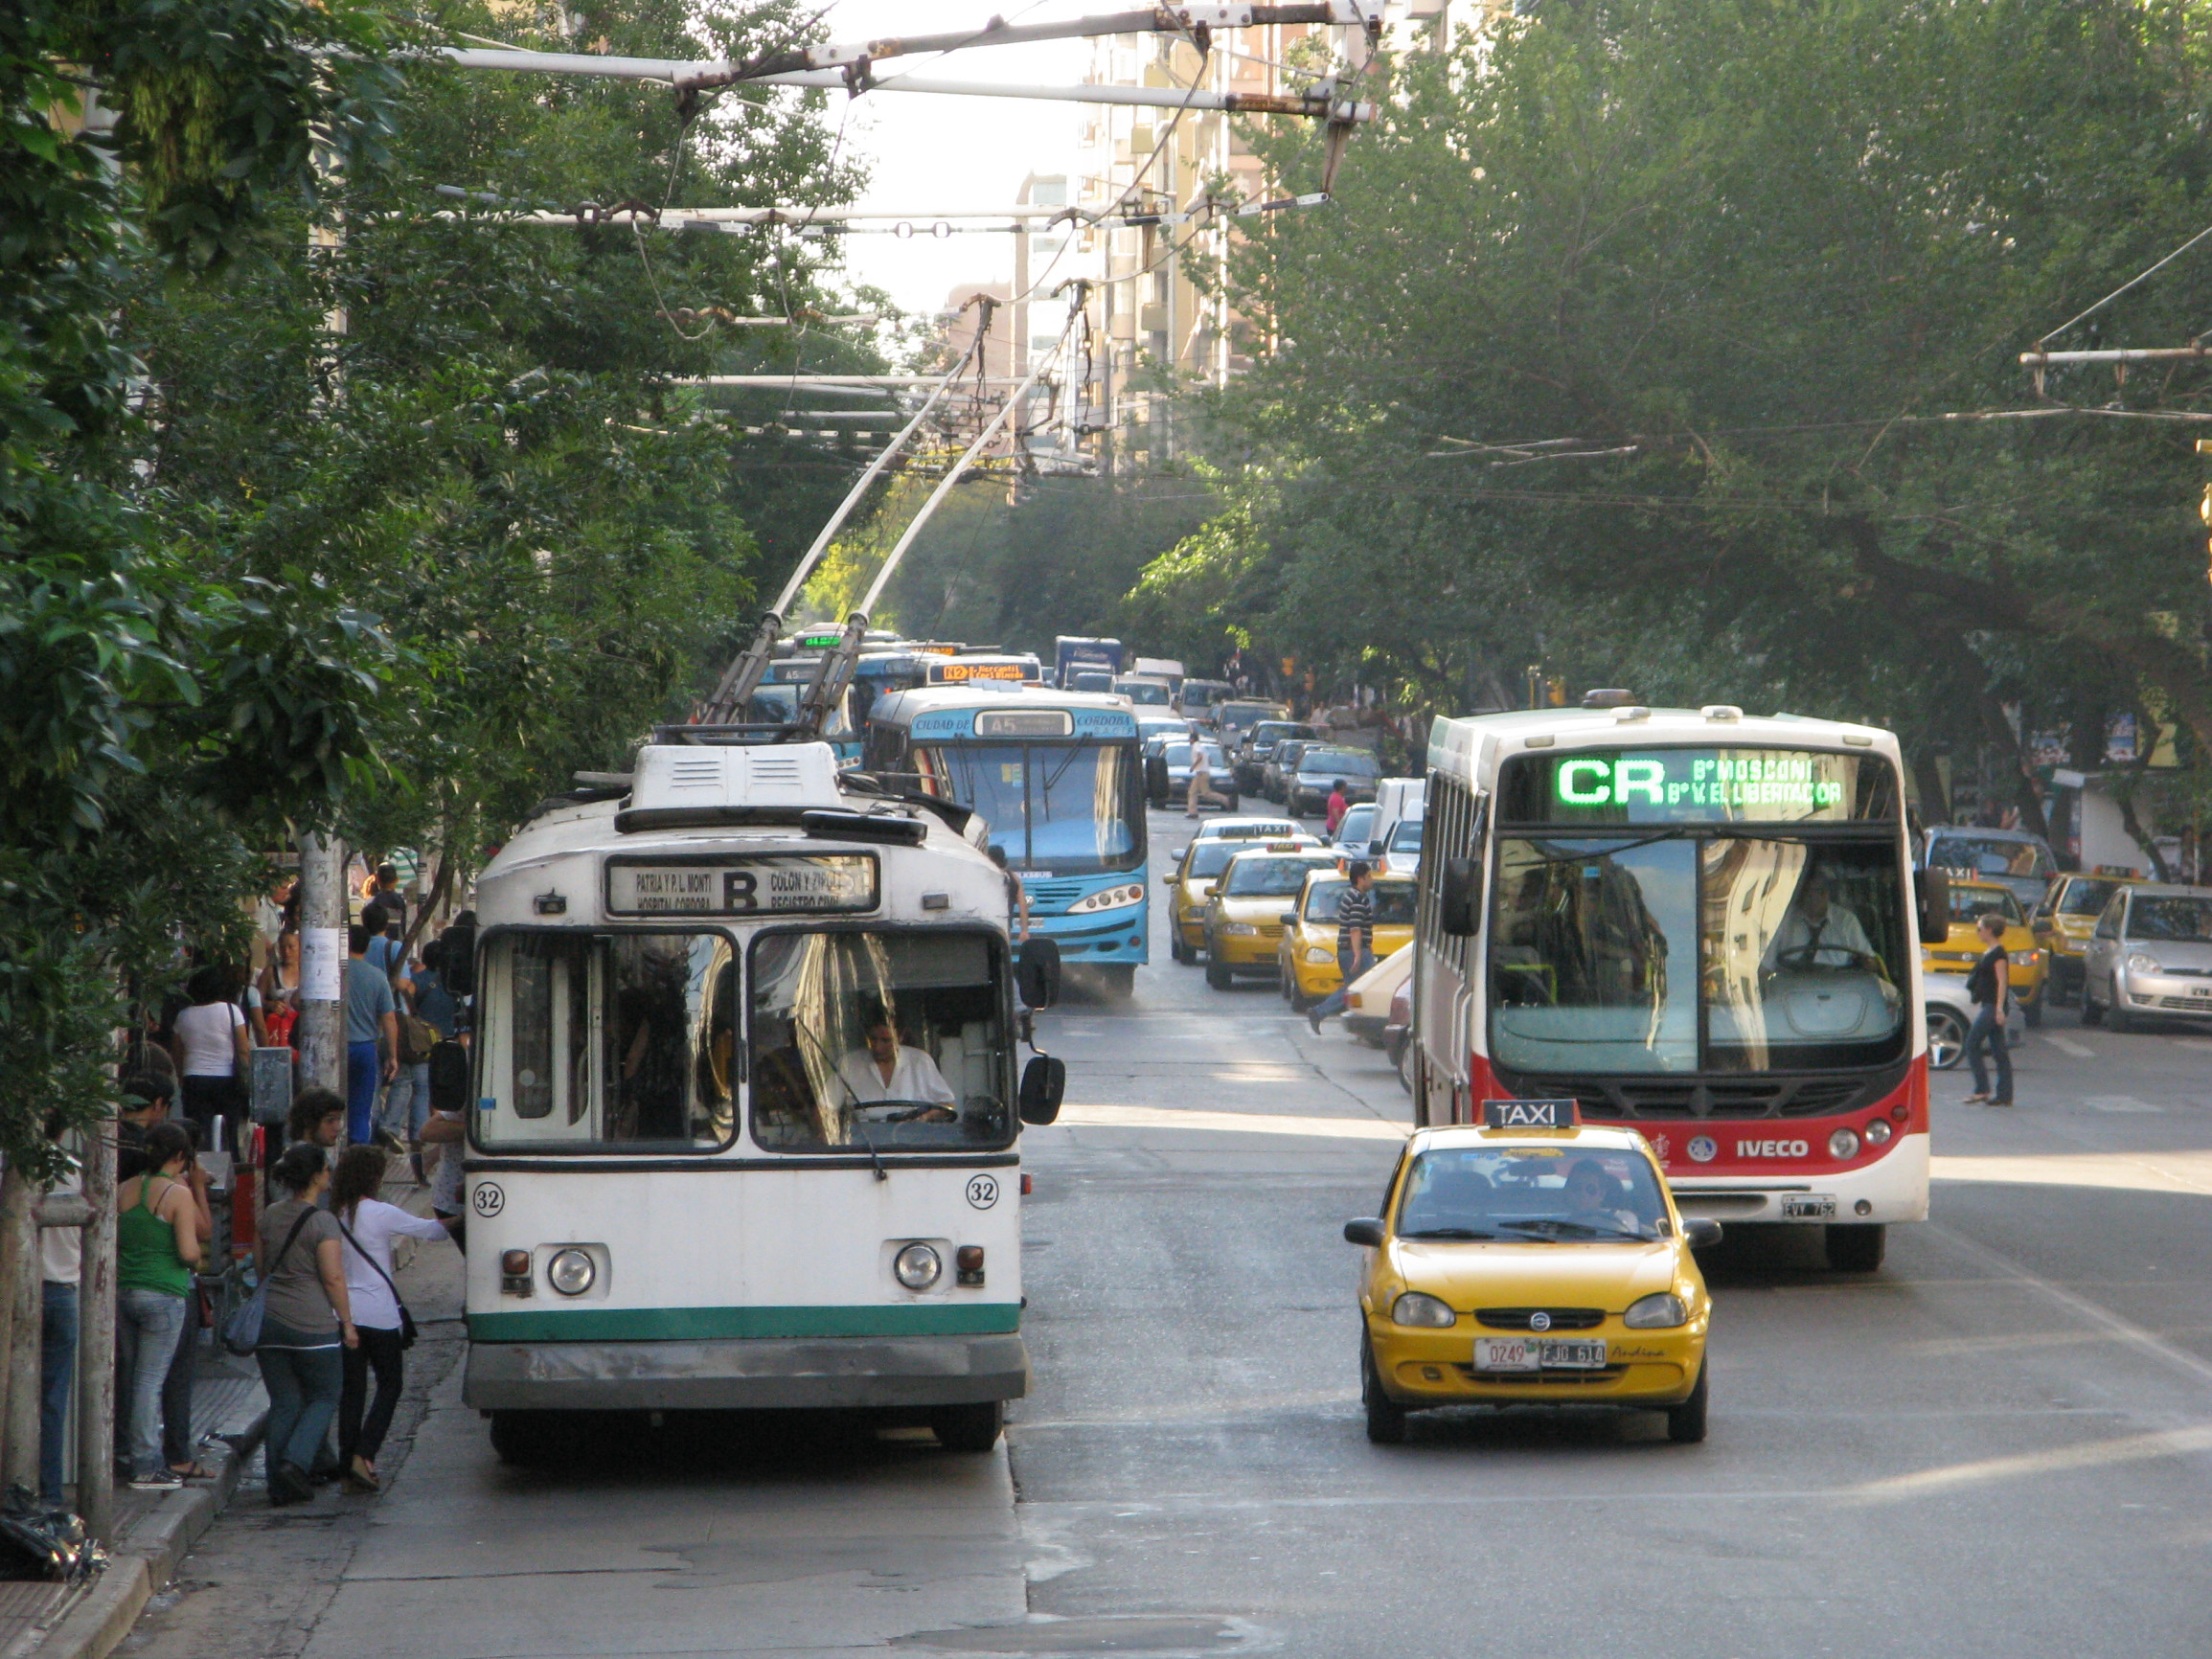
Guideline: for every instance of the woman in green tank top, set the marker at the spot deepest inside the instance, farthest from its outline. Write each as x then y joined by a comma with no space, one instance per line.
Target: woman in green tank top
157,1245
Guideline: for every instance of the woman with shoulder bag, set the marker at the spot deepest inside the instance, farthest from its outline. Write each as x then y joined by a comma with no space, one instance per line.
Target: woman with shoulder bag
306,1322
369,1225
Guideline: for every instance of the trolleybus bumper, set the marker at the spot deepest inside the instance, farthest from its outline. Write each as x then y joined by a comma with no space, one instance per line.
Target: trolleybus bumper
747,1374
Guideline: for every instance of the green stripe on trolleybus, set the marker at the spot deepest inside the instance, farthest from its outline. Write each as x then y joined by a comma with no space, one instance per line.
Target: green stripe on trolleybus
709,1324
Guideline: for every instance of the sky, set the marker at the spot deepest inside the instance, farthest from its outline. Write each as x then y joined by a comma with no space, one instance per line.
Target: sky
925,152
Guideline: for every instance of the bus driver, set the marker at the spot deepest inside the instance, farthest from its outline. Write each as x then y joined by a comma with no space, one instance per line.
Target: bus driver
1819,934
890,1070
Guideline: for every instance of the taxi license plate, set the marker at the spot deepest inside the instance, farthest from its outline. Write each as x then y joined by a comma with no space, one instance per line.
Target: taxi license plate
1810,1207
1537,1354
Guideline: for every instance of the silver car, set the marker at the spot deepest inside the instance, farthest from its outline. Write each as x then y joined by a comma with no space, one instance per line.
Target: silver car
2150,956
1951,1011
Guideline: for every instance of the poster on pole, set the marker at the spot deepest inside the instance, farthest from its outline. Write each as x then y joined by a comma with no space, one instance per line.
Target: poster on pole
322,962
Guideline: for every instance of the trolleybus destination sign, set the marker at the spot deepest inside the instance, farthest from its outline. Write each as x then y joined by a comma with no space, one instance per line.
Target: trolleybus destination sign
770,884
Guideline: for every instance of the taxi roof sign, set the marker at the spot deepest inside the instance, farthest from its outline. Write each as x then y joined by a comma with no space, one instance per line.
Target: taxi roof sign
1530,1115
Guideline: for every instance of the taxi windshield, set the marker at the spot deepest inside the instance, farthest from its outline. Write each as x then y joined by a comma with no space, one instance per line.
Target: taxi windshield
1973,903
2086,896
1393,901
1209,858
1270,877
1567,1194
1990,855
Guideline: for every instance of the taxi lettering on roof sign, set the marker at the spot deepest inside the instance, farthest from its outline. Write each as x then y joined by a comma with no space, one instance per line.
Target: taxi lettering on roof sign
1529,1115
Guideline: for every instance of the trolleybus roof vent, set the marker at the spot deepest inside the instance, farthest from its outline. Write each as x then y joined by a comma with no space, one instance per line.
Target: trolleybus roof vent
781,781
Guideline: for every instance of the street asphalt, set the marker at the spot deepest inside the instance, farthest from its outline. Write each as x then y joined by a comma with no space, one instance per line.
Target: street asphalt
2000,1443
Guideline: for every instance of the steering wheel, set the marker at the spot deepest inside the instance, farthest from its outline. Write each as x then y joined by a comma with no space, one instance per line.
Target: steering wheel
1802,956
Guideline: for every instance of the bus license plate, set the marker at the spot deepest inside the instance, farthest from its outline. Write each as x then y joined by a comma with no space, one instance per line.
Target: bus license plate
1809,1207
1533,1353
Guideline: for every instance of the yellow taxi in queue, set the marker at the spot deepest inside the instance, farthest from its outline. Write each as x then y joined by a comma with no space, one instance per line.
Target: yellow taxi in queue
1962,946
1307,956
1190,882
1244,921
2064,920
1523,1263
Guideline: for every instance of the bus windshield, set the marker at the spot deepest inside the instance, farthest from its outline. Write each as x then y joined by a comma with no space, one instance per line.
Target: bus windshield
1569,1195
1067,809
879,1041
1680,953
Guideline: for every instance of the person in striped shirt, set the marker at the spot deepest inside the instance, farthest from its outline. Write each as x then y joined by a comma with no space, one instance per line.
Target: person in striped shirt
1354,940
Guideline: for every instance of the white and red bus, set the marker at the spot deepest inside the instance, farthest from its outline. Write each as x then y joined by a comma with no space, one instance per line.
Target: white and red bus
1699,925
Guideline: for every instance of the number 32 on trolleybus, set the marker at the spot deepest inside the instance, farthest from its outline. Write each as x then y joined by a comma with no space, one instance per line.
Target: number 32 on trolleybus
745,1110
1698,925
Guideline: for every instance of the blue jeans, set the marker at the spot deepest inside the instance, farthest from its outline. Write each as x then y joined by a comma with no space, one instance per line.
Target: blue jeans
304,1384
1352,966
148,1324
58,1369
363,1073
1986,1033
407,1104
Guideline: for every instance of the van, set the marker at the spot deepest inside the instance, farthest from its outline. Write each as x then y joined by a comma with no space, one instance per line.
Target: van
1397,799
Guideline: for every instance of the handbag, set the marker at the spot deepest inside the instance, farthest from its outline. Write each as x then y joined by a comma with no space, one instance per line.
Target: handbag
242,1330
407,1331
418,1036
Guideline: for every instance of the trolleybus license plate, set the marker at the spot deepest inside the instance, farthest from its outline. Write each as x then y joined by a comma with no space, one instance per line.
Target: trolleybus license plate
768,885
1537,1354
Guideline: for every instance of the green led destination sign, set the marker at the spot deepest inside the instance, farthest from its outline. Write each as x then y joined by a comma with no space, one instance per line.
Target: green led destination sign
1693,786
820,642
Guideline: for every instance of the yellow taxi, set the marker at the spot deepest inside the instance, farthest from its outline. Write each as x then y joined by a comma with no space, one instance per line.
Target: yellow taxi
2064,920
1190,881
1533,1259
1244,920
1962,946
1307,956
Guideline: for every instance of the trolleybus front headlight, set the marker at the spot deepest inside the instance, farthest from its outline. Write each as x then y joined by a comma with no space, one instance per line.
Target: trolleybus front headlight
1662,1310
571,1272
917,1266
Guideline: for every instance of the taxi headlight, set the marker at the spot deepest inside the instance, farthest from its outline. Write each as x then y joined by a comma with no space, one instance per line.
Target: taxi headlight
1843,1143
917,1266
571,1272
1877,1133
2143,963
1108,898
1662,1310
1416,1308
2026,958
1239,927
1316,956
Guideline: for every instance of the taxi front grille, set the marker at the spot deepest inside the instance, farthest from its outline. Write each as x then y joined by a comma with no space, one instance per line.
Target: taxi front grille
1522,1378
1562,1318
1727,1096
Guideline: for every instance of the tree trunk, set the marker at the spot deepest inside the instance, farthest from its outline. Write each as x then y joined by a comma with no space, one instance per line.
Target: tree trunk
2141,837
21,1266
1928,777
322,1038
95,1342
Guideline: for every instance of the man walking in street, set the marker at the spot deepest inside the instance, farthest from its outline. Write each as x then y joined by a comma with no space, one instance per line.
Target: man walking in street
1202,783
372,1018
1354,940
1989,985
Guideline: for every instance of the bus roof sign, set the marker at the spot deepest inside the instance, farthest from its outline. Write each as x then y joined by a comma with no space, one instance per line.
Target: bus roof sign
1530,1115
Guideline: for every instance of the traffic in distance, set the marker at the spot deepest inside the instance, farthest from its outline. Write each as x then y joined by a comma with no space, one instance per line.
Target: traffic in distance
1643,972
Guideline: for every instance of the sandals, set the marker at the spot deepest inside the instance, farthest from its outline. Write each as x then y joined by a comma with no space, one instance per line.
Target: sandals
361,1479
193,1472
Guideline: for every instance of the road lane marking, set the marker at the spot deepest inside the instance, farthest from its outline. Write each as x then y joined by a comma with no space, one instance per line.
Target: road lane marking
1116,1116
2067,1045
2128,1171
2023,1465
2118,1104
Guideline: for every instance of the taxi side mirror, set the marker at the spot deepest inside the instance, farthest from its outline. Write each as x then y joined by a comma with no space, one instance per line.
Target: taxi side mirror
1367,1231
1460,897
1374,849
1043,1082
1931,888
1289,919
1701,1233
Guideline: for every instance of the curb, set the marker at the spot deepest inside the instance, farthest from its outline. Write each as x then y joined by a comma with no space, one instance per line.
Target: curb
145,1559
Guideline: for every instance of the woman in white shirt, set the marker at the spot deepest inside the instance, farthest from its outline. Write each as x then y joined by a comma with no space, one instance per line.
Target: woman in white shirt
368,1225
213,1049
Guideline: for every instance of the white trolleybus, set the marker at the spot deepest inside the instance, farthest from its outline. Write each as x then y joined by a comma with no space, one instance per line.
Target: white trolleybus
743,1128
1698,925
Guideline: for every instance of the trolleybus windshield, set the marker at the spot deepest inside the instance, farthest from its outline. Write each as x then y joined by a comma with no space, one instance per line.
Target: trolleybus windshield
1070,808
879,1041
1668,948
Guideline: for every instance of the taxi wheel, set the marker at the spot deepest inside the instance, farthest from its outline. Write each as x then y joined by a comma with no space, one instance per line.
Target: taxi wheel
1386,1417
967,1428
1217,976
1686,1423
1175,947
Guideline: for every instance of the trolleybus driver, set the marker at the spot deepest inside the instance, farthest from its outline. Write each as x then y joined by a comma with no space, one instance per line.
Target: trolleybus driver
891,1070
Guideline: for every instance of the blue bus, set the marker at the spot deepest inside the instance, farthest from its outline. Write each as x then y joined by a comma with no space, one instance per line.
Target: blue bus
1058,778
876,673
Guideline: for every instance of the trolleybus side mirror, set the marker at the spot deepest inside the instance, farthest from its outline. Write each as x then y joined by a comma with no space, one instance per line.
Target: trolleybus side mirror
449,1077
1460,895
1367,1231
1043,1081
1037,972
1932,889
1701,1233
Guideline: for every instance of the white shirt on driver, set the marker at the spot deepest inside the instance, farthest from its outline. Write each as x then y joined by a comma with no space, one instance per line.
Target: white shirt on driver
1835,940
915,1078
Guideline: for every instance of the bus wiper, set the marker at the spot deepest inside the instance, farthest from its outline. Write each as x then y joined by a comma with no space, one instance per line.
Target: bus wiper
869,1141
1449,1232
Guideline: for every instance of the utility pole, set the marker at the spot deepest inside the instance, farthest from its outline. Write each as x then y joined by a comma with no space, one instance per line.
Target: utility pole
96,1340
322,962
19,1311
